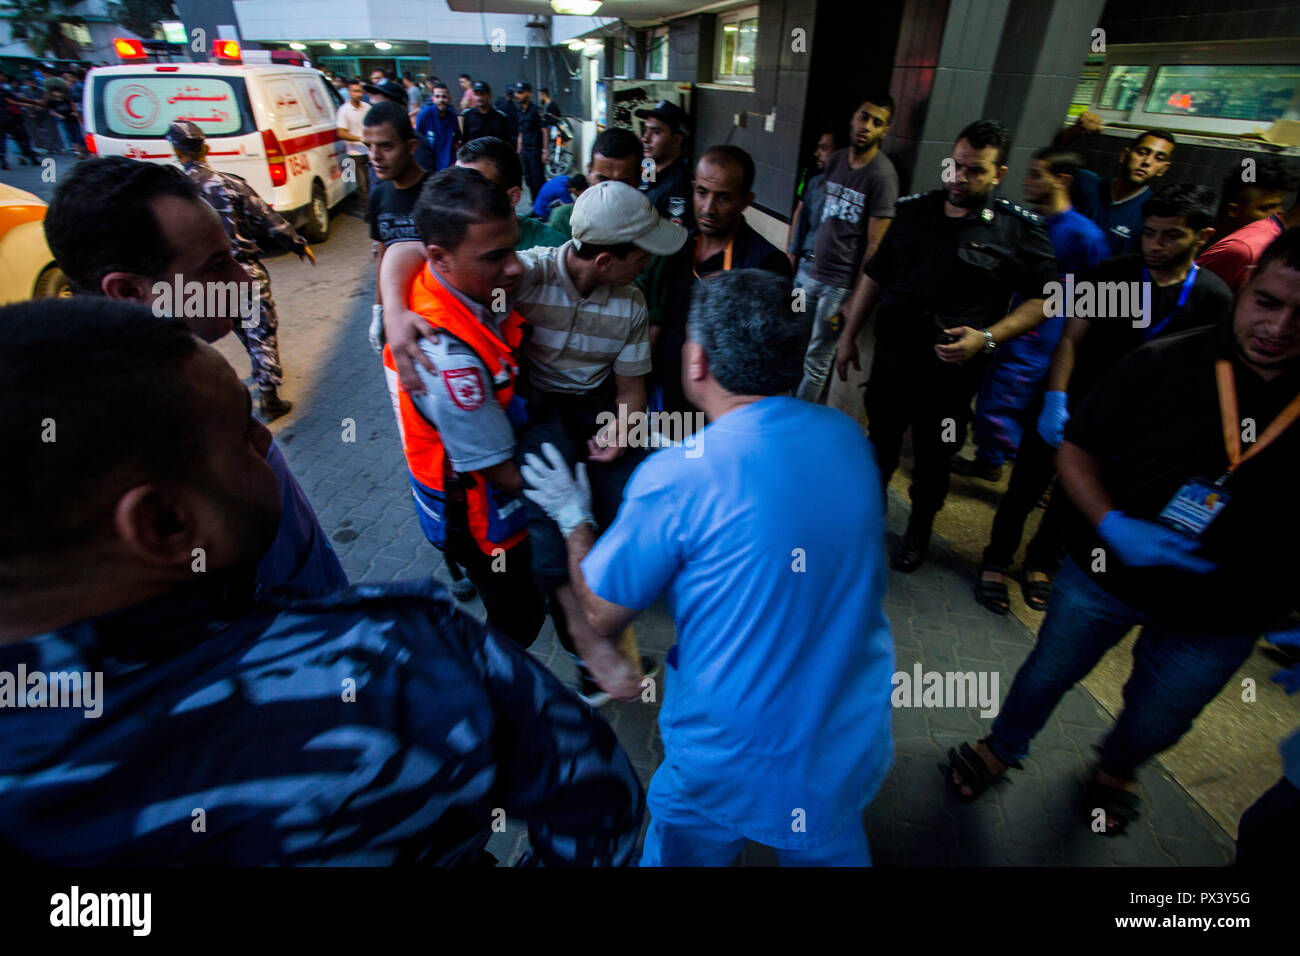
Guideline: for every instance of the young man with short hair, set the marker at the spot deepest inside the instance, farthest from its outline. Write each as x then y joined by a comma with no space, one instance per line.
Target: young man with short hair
663,141
1233,256
1014,380
498,162
438,128
1176,226
483,119
392,146
861,190
1115,204
1174,515
616,155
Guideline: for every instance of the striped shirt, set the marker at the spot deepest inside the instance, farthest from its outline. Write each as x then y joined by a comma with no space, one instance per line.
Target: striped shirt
576,341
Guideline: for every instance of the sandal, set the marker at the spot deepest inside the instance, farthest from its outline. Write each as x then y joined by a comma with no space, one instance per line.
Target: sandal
992,594
974,772
1036,593
1119,805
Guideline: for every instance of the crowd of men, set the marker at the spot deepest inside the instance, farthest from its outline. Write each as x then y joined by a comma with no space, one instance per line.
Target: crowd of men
317,723
40,113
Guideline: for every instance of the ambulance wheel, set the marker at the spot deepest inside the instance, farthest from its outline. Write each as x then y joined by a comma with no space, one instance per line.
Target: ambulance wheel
52,284
317,228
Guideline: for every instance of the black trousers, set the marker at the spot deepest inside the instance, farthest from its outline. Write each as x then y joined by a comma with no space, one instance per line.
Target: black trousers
531,157
514,602
1033,474
914,389
13,126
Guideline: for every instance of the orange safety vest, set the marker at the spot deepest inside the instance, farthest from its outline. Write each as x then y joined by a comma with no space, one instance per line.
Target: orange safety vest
495,518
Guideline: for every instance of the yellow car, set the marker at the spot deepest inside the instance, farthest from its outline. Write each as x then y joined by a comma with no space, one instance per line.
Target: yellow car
27,268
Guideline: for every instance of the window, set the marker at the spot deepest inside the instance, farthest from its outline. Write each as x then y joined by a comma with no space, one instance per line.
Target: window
737,44
1260,93
657,60
144,105
1123,84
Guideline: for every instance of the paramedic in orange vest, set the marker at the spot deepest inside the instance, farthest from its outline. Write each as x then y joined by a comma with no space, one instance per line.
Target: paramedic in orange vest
459,435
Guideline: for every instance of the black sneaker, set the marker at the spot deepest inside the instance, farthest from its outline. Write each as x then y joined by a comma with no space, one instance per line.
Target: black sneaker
912,548
976,468
592,693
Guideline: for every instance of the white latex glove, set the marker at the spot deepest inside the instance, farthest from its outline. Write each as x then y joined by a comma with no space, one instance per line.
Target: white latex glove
377,327
564,498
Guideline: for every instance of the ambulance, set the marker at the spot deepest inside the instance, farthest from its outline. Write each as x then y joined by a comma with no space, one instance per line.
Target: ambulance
273,123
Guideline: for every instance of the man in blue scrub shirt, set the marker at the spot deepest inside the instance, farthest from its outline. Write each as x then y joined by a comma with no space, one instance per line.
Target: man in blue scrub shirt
776,714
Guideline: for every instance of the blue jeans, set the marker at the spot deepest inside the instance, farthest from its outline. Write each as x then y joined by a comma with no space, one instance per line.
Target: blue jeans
680,836
823,301
1175,674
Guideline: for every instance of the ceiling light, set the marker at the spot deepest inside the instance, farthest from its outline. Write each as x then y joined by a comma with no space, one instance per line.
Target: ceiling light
730,28
383,45
576,8
297,46
338,46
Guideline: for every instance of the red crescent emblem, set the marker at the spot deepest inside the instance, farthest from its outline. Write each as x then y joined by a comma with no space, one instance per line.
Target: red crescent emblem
465,388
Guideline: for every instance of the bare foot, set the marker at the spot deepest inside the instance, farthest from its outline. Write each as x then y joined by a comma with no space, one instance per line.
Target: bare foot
1000,578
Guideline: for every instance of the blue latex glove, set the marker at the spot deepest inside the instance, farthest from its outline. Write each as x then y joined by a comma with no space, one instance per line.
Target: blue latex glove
1144,544
1052,419
1289,679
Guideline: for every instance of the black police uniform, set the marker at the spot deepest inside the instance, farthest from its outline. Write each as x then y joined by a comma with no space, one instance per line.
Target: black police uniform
938,272
529,123
491,123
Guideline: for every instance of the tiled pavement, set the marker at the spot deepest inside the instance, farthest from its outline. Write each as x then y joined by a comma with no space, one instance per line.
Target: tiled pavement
359,490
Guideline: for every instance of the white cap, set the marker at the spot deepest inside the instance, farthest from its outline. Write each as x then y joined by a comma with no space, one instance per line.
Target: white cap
611,212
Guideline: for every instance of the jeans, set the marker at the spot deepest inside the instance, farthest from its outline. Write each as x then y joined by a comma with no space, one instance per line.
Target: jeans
823,301
680,836
1175,674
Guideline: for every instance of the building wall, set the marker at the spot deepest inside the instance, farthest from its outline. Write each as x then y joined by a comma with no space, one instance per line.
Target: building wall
1193,21
780,83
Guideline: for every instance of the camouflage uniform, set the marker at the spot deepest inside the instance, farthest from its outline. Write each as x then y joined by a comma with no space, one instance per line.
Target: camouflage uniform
248,220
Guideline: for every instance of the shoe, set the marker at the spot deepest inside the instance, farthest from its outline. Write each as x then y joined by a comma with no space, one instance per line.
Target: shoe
912,548
591,692
463,590
273,406
976,468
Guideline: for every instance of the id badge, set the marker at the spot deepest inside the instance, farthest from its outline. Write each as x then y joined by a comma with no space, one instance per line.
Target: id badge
1195,507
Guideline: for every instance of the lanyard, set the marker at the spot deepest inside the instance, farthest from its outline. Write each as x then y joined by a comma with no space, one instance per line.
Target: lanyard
1153,331
726,256
1232,422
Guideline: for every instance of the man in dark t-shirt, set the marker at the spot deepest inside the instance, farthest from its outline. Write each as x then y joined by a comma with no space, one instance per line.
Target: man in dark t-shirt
861,190
1113,309
392,145
1181,463
722,189
484,119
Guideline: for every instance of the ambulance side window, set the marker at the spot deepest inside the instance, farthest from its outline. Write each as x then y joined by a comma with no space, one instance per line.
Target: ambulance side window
286,103
311,94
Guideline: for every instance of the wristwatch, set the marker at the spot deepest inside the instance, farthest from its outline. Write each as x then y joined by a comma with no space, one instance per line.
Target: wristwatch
989,344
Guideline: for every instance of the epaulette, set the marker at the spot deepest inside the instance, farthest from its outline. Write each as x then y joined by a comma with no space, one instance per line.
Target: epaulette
1006,205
